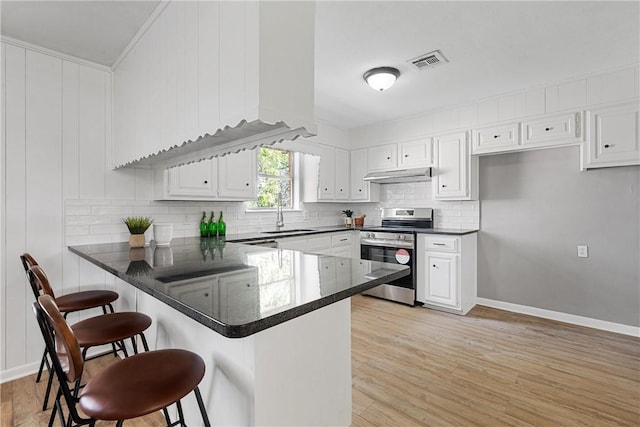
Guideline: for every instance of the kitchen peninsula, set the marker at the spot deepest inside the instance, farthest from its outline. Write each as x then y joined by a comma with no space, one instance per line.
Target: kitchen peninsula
273,325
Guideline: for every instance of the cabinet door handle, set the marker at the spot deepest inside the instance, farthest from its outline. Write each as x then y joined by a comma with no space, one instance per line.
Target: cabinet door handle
360,189
206,182
343,240
496,136
606,145
434,266
247,184
548,129
444,185
388,158
406,155
325,189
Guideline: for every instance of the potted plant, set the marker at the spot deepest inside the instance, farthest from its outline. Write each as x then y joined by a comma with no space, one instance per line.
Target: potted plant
137,225
348,221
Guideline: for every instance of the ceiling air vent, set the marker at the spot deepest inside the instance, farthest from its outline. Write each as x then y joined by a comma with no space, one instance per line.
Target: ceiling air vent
429,60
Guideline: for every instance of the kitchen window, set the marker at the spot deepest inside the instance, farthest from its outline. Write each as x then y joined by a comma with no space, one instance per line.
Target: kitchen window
275,176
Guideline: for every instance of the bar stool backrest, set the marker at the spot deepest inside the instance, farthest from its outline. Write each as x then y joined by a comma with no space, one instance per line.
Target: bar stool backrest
39,282
63,347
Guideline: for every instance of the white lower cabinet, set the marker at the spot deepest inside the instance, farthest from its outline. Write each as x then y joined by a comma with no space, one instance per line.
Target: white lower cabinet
339,244
447,272
613,136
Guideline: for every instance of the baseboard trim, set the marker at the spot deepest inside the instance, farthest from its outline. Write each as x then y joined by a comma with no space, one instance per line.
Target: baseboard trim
32,368
561,317
19,372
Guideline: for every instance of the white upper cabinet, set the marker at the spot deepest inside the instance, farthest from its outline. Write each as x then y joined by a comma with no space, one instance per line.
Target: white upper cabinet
237,176
492,139
342,175
383,157
456,174
362,191
413,154
197,179
202,66
327,175
552,130
613,136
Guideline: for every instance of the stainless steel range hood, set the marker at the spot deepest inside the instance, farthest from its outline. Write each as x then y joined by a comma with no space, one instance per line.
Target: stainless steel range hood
402,175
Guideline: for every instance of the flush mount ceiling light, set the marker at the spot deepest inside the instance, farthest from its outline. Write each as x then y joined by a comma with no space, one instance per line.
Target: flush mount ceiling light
381,78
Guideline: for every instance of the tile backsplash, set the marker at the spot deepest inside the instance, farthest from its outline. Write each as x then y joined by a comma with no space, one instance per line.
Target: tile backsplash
100,221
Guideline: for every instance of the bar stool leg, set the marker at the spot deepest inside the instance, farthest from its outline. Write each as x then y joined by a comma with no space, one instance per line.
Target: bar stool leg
203,410
180,414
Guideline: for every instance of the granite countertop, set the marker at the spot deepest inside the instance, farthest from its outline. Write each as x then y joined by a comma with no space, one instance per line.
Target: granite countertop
452,231
236,289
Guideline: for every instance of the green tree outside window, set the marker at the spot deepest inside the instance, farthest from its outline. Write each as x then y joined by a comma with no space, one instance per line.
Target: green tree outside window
275,176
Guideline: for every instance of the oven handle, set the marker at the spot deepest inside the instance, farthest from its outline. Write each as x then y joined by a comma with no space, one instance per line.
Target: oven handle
387,243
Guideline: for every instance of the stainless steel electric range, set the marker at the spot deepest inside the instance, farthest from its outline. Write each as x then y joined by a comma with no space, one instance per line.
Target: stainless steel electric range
395,242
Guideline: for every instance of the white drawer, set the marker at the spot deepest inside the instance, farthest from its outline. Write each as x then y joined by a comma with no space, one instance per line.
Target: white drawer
563,128
342,239
319,243
496,138
442,243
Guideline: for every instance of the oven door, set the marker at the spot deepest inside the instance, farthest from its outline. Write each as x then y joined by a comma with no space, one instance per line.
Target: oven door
403,256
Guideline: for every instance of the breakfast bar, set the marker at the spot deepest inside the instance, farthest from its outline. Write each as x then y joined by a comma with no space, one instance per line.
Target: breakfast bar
273,325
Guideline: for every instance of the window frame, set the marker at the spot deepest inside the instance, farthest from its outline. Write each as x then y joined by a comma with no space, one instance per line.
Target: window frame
293,177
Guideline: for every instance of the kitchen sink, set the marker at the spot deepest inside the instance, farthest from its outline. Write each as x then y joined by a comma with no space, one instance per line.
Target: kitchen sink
287,231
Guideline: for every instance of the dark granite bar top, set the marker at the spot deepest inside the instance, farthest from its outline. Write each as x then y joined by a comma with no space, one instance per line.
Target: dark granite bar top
451,231
291,231
235,289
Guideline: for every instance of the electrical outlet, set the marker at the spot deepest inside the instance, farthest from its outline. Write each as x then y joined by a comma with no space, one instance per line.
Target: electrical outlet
583,251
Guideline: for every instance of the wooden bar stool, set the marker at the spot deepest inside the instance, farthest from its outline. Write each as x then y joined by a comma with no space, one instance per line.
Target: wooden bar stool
110,328
69,303
129,388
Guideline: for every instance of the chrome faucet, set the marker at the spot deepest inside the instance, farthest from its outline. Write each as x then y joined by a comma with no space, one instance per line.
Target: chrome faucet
279,214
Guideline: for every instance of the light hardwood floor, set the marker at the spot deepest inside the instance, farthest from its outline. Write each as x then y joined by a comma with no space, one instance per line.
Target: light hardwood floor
419,367
414,367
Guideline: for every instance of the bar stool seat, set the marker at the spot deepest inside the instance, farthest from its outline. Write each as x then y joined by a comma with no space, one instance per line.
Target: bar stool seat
166,376
85,300
108,328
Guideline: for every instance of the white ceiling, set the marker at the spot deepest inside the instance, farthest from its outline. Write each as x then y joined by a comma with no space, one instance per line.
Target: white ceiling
493,47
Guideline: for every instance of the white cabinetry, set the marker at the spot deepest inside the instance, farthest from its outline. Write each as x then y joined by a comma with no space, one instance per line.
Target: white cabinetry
326,175
383,157
362,191
341,173
552,130
613,136
492,139
456,174
447,272
413,154
339,243
197,179
232,177
237,176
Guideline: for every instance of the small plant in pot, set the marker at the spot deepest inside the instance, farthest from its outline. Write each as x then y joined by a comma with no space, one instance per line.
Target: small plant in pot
137,225
348,221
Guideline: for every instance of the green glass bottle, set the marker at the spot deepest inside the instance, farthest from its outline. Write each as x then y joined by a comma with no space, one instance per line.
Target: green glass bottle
212,226
204,227
222,227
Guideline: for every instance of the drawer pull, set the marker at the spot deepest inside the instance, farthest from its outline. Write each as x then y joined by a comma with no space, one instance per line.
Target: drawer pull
439,244
343,240
548,129
496,136
606,145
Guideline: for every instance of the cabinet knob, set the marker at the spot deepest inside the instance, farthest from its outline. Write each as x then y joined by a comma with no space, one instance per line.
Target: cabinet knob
247,184
434,265
326,189
496,136
206,182
548,129
406,155
388,158
444,185
360,190
606,145
341,190
206,295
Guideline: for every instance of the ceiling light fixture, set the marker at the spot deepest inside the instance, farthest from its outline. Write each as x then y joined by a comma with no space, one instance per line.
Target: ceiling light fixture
381,78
